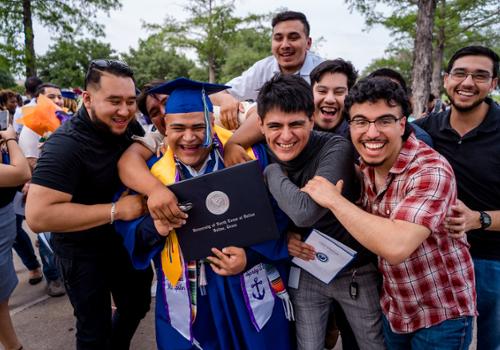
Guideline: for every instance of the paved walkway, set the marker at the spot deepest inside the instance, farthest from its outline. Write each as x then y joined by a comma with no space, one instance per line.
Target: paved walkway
46,323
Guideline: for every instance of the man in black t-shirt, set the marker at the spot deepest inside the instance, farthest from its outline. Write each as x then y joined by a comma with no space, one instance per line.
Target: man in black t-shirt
72,196
468,135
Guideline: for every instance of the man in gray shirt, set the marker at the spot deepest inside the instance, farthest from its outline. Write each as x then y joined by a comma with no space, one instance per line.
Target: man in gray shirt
285,105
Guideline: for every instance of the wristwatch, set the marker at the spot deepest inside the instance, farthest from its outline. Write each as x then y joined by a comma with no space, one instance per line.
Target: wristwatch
484,219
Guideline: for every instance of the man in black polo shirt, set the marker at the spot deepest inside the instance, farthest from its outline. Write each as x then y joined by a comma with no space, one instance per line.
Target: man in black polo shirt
468,135
71,195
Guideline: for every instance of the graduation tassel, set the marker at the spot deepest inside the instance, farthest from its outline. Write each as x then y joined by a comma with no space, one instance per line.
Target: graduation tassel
203,278
207,142
280,291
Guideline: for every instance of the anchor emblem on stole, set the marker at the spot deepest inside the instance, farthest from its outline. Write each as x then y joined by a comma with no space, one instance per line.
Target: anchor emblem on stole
260,292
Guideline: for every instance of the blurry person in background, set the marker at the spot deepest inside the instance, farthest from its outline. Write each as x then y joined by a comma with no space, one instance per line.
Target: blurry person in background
14,171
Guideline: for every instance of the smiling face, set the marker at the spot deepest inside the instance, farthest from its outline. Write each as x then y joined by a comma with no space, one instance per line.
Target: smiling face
286,134
329,94
111,103
11,104
185,135
155,106
467,94
54,94
289,45
377,146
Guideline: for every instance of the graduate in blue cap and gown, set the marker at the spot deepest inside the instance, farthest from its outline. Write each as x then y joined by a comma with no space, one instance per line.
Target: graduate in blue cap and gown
236,299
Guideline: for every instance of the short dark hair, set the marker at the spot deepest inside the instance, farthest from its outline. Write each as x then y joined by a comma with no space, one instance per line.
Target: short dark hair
7,93
143,96
31,85
292,16
391,74
111,66
335,66
42,87
288,93
475,50
373,89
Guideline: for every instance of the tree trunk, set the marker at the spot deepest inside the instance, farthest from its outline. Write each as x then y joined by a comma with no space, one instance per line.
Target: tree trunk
422,62
211,70
29,39
438,53
211,58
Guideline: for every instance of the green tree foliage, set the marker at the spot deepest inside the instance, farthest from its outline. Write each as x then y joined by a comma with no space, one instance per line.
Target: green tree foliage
247,47
399,60
65,63
154,60
6,79
215,34
68,17
457,23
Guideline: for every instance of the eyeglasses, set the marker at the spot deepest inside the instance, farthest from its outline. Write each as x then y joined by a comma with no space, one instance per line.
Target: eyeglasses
478,77
381,123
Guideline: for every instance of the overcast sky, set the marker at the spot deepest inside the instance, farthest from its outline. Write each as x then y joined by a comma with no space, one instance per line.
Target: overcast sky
343,32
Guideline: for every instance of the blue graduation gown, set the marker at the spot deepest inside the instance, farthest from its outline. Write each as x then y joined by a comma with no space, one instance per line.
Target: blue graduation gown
222,319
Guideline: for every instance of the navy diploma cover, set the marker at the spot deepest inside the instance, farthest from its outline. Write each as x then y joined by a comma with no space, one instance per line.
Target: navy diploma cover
230,207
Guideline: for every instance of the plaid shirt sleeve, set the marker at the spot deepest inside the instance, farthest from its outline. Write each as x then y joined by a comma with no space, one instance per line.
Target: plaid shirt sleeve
428,195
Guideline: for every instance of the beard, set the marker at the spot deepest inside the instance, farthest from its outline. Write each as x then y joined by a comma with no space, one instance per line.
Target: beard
373,164
101,127
465,108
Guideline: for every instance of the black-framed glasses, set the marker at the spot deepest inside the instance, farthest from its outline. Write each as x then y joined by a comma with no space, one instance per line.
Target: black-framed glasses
478,77
381,123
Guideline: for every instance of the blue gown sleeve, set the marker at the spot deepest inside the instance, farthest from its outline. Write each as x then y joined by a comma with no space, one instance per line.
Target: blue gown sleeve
141,240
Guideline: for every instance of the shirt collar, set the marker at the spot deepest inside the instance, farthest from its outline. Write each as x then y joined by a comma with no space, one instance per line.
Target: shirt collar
195,172
214,154
490,123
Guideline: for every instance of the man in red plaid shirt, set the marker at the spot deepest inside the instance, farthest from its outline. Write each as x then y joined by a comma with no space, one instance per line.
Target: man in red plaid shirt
428,296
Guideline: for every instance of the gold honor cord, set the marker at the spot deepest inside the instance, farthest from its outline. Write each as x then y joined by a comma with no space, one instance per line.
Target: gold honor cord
171,259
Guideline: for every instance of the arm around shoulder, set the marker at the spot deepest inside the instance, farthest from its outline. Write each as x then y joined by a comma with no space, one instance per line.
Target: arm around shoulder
135,174
133,169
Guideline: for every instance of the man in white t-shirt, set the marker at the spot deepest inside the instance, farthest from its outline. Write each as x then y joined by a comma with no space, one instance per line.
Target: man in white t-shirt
28,139
31,85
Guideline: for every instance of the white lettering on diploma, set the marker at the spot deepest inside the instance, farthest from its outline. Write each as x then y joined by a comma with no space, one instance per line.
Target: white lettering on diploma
226,224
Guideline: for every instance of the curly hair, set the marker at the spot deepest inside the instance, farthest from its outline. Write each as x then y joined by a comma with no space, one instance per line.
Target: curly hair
376,89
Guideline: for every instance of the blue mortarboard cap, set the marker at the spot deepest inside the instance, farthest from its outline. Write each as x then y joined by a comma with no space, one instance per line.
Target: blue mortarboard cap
187,96
68,94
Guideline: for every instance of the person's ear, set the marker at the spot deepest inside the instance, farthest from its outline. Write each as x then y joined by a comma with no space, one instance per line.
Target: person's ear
87,99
